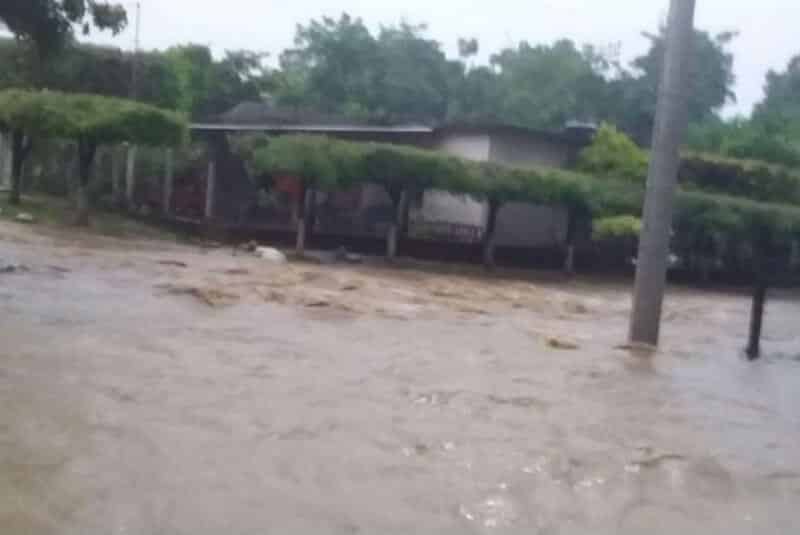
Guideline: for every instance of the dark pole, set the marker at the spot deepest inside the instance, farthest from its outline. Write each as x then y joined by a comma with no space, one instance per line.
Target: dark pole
757,319
671,122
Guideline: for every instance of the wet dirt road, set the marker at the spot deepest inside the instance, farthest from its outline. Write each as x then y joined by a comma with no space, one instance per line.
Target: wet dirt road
234,396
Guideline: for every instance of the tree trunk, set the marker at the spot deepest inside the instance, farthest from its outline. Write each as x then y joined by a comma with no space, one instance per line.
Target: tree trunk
405,223
86,152
489,235
398,203
311,213
169,178
5,159
757,320
572,231
130,177
20,148
211,190
117,197
301,208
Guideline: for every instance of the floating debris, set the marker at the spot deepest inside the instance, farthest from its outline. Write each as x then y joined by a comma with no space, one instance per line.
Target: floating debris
558,343
174,263
14,268
213,297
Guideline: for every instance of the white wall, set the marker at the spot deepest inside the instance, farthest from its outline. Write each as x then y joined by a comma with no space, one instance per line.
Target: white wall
469,146
527,225
440,210
524,150
441,214
447,216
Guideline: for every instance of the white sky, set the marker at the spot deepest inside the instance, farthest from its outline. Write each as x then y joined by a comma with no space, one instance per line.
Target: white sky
768,28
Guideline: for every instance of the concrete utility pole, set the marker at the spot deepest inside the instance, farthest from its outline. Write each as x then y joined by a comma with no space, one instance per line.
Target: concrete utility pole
670,127
131,150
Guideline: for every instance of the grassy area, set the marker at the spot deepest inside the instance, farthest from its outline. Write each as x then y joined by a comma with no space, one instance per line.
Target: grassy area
58,211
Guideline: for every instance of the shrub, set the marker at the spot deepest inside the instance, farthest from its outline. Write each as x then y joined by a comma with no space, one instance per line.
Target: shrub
625,226
613,154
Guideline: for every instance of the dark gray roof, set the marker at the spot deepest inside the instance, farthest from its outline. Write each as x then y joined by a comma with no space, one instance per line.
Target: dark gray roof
569,135
259,116
265,117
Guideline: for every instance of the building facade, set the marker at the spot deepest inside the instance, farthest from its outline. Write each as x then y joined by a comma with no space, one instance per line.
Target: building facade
366,211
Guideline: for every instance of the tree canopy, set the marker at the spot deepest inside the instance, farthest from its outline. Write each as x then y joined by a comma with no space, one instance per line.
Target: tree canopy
397,72
50,23
101,120
339,65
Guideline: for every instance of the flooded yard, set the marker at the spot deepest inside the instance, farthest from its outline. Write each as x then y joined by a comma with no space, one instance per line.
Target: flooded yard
154,387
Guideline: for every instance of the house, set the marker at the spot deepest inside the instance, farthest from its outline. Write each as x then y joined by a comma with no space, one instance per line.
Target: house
518,224
367,211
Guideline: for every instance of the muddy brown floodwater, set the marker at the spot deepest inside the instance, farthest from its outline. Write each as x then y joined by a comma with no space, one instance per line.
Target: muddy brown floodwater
149,387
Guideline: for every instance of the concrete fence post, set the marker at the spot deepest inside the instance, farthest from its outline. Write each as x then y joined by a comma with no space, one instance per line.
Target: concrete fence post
211,185
130,177
169,177
5,161
116,176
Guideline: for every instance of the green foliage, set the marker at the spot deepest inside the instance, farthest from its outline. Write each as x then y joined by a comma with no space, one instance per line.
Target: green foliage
614,154
49,23
339,66
546,86
700,216
710,86
93,69
748,139
208,87
750,179
312,159
404,168
614,205
100,120
780,109
625,226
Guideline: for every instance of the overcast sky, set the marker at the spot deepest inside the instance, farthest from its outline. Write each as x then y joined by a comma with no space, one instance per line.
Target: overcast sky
768,28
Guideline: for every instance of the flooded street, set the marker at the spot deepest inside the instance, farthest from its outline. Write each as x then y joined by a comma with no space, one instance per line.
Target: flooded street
151,387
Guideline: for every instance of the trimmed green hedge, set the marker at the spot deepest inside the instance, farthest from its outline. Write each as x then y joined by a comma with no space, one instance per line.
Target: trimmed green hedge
103,120
622,226
614,205
759,181
613,154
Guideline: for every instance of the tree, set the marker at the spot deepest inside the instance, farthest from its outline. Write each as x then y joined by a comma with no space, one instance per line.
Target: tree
777,117
498,187
337,59
90,121
403,173
412,75
613,154
209,87
781,105
546,86
339,66
310,161
748,139
49,24
711,80
475,95
102,70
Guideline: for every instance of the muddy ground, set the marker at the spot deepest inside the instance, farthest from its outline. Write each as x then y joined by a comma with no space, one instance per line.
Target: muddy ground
154,387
